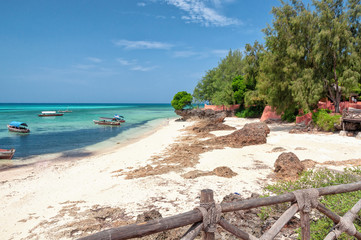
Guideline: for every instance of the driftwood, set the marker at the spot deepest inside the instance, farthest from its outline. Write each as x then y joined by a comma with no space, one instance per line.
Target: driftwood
207,216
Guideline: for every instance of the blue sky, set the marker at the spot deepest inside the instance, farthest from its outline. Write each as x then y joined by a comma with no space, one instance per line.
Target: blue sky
119,51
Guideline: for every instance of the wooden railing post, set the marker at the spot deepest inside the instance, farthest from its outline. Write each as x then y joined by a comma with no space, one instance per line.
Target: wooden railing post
207,201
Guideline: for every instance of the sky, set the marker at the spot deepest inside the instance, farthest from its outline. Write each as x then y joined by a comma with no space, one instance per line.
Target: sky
119,51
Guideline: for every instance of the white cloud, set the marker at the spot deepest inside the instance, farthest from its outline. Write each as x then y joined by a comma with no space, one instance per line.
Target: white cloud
125,62
134,66
94,59
142,44
141,4
143,69
198,12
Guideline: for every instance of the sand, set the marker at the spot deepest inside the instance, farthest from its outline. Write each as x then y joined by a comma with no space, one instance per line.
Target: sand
42,201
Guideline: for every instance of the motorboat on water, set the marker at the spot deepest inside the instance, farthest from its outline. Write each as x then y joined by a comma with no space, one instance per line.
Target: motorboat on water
50,114
107,121
19,127
7,153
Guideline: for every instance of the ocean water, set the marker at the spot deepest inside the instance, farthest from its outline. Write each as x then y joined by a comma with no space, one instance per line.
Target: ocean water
75,132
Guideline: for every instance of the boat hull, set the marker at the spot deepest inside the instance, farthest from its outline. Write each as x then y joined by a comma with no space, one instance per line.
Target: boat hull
18,130
51,115
7,154
106,123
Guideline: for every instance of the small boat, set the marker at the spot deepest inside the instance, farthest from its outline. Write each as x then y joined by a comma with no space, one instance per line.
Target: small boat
65,111
119,118
50,114
19,127
7,154
107,121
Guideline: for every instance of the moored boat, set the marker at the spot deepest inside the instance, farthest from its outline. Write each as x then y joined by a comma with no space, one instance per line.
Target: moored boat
50,114
119,118
107,121
7,153
19,127
65,111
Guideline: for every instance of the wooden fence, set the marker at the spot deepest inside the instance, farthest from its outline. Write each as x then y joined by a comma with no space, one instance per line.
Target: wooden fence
206,217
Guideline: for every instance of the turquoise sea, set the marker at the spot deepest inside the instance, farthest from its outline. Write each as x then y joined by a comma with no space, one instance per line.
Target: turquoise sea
74,134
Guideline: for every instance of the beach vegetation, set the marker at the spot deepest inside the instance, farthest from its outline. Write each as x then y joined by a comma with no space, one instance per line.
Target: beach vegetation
338,203
310,52
250,112
182,100
216,86
289,115
325,120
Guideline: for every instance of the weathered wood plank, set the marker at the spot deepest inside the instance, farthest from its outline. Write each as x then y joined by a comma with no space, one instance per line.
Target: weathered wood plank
147,228
278,225
207,201
193,231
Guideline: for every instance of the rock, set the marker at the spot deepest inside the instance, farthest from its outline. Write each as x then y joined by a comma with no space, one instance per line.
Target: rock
343,133
148,216
349,134
308,163
288,166
166,235
224,172
208,126
250,134
215,116
278,149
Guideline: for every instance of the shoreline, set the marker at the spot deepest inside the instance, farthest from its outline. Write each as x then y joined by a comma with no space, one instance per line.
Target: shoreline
89,151
52,199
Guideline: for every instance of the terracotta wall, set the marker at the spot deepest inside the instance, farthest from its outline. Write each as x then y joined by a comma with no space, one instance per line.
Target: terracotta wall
269,114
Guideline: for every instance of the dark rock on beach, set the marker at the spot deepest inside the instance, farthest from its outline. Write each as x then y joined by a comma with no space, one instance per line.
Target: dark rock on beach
288,166
250,134
215,116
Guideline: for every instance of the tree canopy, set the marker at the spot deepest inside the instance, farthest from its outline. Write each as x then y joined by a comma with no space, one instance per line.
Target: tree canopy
182,100
216,86
310,52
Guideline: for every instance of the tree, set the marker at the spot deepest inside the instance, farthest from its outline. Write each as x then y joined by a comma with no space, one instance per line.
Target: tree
182,100
216,86
252,60
337,62
310,54
239,89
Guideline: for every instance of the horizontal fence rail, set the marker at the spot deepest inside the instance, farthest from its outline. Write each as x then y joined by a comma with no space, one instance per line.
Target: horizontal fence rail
207,216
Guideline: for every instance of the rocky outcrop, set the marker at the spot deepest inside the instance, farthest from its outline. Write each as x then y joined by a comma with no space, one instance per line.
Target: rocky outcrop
250,134
288,166
215,116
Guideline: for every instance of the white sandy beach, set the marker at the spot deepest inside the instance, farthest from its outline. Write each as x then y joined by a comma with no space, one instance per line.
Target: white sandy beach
32,197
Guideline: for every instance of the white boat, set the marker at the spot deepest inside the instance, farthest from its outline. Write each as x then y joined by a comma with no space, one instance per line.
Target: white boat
50,114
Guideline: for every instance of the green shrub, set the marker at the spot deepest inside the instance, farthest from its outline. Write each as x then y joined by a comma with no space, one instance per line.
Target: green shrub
338,203
289,115
324,120
251,112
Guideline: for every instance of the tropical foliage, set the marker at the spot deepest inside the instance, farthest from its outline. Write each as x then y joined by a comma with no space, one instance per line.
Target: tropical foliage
182,100
310,52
